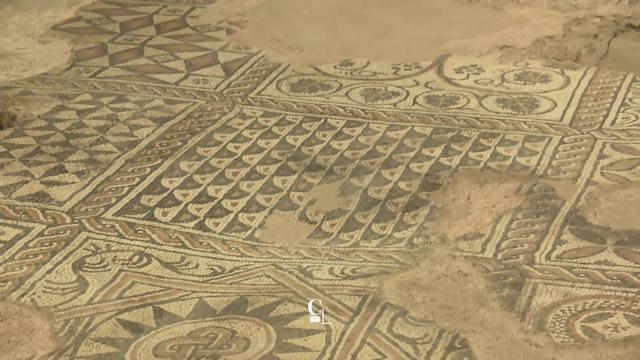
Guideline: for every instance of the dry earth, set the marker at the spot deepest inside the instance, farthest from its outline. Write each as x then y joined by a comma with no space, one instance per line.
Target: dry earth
455,294
28,46
25,332
563,32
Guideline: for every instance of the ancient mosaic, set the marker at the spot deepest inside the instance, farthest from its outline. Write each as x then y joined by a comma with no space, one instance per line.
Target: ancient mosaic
130,207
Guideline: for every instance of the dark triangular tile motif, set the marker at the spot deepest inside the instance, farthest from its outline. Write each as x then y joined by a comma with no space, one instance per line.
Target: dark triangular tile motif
154,44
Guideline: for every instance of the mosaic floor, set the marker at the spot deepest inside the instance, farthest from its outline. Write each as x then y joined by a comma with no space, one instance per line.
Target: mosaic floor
130,207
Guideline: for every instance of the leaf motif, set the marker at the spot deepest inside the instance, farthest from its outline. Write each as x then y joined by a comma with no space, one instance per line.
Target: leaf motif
625,149
588,235
632,239
582,252
628,255
621,165
614,178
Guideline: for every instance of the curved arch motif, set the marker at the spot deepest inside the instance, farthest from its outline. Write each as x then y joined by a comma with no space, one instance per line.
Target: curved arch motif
360,69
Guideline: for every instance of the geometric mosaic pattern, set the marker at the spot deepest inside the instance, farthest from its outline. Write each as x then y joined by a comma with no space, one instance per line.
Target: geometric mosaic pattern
528,91
50,157
258,163
153,43
129,207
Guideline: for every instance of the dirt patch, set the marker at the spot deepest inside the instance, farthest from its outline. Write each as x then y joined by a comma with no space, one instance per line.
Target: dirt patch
285,228
472,200
7,120
294,228
26,105
16,109
454,294
612,207
233,11
624,52
28,47
327,31
565,189
584,40
25,332
324,31
327,197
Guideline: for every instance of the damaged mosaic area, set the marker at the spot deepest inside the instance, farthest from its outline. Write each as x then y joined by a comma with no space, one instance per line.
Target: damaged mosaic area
173,194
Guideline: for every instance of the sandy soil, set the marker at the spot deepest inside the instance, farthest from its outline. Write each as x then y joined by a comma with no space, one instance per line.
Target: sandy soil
565,32
25,332
612,207
624,52
28,47
472,200
452,292
327,197
285,228
7,120
290,229
15,110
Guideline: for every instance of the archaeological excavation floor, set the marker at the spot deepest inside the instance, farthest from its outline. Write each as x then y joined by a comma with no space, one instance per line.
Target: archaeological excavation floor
179,196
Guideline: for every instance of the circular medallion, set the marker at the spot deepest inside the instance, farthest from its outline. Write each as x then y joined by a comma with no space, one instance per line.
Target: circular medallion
227,337
594,319
536,79
220,327
518,104
308,86
375,94
442,100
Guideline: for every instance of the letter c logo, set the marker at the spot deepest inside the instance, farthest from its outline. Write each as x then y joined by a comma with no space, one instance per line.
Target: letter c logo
310,307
